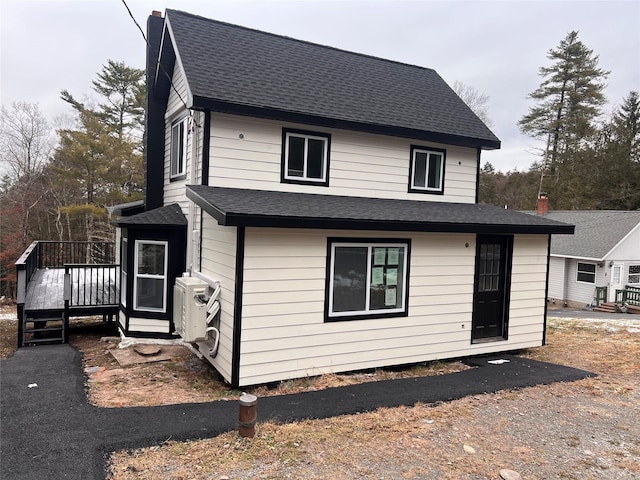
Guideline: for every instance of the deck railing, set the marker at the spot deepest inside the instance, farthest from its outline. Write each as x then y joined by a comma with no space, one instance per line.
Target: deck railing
90,285
629,295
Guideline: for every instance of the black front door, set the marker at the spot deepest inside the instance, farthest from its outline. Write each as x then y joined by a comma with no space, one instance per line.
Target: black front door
490,306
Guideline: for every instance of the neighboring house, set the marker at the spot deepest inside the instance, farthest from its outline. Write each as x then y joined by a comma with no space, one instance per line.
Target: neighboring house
333,199
604,252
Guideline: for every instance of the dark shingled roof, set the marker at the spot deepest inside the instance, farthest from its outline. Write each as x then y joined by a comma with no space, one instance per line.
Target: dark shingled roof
597,232
228,65
240,207
167,216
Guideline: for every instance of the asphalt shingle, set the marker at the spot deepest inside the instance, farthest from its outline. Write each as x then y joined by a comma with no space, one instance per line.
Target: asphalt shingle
241,66
230,206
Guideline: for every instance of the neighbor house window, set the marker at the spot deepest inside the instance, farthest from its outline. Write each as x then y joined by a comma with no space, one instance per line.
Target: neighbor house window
634,274
367,279
123,271
427,170
178,149
305,157
150,282
586,273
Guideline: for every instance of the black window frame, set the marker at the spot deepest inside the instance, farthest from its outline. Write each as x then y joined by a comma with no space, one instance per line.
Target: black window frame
307,134
428,150
585,272
372,243
180,162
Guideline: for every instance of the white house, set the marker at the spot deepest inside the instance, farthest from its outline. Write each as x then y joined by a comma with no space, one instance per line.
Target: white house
333,199
603,254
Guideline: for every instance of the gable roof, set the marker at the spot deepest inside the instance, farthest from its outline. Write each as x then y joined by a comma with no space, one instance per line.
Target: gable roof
260,208
234,69
597,232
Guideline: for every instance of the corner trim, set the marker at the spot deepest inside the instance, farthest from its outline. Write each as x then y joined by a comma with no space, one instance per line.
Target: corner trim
479,150
546,293
237,308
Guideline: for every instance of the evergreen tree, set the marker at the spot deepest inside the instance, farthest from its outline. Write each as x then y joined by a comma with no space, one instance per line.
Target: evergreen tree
567,104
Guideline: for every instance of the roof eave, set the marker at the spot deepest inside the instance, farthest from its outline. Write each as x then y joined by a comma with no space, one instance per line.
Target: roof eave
205,103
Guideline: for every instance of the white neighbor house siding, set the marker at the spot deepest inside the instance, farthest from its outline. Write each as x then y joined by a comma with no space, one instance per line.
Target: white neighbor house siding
361,164
284,334
219,262
556,278
581,292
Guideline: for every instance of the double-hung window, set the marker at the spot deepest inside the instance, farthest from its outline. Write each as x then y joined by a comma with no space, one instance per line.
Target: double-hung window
586,273
634,274
427,170
179,149
150,282
305,157
367,279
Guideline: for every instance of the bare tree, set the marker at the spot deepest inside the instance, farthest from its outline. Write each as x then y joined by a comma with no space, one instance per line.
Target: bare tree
26,139
475,100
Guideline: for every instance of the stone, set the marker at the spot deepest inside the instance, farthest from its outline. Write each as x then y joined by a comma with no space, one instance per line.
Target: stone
507,474
147,350
469,449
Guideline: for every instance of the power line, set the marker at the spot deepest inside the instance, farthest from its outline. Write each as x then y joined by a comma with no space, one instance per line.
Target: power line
146,41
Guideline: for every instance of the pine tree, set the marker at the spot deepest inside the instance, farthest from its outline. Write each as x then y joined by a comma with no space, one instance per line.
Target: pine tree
567,104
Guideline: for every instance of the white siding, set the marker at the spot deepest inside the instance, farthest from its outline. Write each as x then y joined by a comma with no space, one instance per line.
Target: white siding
174,192
556,278
148,325
219,262
581,292
284,334
361,164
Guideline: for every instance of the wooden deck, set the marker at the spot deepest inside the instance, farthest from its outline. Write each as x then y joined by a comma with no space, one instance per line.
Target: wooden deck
89,287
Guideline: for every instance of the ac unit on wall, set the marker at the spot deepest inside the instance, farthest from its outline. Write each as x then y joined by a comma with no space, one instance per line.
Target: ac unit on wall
189,311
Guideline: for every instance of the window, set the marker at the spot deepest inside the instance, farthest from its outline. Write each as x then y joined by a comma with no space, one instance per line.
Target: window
634,274
427,170
178,149
123,271
586,273
305,157
150,284
367,280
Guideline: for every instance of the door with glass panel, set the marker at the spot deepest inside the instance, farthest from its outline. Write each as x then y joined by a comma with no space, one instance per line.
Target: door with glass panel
493,260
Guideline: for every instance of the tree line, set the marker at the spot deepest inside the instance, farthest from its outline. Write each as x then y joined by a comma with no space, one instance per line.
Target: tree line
58,182
587,160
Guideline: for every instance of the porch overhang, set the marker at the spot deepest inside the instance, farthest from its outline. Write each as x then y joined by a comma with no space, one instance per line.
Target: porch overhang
260,208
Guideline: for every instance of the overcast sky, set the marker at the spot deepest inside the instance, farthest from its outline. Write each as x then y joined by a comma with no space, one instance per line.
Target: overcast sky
496,47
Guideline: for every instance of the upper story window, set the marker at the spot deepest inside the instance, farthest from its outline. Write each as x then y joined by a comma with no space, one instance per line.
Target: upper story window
179,149
305,157
427,170
586,273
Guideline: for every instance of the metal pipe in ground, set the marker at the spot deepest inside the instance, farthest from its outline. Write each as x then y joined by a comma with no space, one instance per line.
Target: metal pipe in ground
247,415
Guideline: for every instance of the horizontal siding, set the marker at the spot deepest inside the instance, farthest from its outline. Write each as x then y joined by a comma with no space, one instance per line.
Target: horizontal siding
247,153
284,334
528,287
148,325
218,262
174,192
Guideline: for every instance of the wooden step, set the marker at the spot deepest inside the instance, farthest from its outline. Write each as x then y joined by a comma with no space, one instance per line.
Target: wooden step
610,307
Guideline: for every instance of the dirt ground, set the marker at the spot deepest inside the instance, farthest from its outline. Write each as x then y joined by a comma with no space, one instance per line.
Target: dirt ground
588,429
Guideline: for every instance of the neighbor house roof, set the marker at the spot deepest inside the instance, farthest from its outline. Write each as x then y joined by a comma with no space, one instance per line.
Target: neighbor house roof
260,208
235,69
597,232
167,216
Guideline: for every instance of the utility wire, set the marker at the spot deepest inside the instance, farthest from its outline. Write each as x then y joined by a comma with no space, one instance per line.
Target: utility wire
160,64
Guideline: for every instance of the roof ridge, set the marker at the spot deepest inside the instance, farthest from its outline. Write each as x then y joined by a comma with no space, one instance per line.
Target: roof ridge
328,47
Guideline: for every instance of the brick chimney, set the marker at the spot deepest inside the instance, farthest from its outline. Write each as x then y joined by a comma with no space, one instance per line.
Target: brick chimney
542,205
